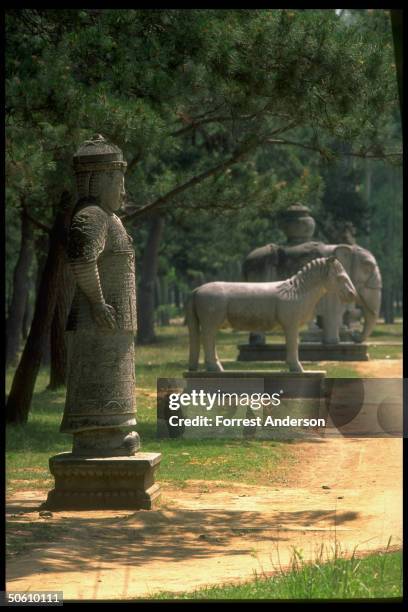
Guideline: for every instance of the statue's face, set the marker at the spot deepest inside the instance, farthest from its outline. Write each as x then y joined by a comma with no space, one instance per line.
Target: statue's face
112,190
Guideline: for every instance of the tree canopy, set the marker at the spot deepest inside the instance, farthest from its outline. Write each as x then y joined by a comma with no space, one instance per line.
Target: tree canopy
224,116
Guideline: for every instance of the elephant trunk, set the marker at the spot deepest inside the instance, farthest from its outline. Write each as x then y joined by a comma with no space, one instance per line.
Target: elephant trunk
370,301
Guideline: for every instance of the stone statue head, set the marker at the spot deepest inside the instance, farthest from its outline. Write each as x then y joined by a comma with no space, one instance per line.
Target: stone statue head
297,224
99,170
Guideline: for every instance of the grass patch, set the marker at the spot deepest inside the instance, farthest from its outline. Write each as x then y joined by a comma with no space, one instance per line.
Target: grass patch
387,331
385,352
29,447
375,576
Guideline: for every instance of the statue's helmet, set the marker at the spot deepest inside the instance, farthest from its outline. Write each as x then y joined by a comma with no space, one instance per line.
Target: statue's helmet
297,223
98,154
94,157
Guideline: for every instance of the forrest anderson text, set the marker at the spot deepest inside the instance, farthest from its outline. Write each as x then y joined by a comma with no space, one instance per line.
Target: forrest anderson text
205,421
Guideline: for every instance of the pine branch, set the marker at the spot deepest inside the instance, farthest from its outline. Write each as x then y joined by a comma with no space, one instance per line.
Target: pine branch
190,183
218,169
316,149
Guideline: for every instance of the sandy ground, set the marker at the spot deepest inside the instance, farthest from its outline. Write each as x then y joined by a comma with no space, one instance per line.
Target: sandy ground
379,368
212,532
344,493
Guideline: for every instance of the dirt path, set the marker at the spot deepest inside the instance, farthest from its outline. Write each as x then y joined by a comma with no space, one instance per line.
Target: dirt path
213,532
379,368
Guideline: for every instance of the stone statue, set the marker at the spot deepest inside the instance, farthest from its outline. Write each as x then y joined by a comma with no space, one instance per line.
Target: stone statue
275,262
297,224
105,467
100,402
262,306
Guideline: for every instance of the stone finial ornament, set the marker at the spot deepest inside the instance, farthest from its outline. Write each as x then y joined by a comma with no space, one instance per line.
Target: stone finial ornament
297,223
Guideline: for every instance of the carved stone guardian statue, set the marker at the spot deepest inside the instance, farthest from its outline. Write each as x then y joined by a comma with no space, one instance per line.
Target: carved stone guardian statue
100,405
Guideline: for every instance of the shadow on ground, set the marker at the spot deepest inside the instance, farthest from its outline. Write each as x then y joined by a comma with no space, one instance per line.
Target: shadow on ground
84,539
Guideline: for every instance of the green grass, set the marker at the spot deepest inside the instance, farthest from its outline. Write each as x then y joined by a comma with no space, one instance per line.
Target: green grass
387,331
385,352
29,447
375,576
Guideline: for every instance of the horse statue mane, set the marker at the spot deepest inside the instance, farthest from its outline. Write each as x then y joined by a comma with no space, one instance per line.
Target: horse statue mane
306,278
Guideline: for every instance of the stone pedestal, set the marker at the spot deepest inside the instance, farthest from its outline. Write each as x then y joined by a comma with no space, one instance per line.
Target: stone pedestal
229,405
83,483
306,384
308,351
316,335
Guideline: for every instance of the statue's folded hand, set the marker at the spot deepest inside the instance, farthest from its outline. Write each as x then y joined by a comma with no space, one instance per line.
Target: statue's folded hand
104,315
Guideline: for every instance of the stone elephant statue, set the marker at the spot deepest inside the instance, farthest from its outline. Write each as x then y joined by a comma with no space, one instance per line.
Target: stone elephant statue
274,262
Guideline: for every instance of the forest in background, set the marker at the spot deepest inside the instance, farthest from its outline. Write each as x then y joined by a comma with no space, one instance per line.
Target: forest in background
225,117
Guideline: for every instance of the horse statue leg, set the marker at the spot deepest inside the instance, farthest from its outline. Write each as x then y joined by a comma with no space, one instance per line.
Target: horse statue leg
292,347
208,333
194,335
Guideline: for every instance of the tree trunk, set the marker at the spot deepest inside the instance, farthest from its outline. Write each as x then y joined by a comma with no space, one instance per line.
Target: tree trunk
177,296
148,273
19,400
164,301
57,339
388,304
397,21
20,291
28,310
42,247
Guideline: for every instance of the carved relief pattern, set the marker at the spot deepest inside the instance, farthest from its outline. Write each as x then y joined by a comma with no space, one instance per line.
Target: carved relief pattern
101,378
96,235
101,381
87,235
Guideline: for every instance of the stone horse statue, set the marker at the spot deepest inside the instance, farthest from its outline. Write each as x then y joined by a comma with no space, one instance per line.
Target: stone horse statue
263,306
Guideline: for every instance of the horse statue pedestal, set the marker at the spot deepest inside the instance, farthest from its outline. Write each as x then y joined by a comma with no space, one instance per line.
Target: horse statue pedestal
308,351
294,385
240,404
295,377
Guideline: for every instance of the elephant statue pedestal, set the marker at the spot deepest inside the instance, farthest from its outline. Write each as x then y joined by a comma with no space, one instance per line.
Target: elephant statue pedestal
308,351
315,334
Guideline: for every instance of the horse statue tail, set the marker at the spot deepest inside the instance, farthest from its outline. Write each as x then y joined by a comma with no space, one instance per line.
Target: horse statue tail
194,332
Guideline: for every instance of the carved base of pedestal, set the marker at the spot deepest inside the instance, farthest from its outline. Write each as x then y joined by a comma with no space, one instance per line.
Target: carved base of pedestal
83,483
316,335
311,351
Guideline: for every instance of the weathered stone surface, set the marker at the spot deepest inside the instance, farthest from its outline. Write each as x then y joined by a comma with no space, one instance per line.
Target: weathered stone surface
105,469
263,306
297,223
103,483
102,320
275,262
98,235
312,351
300,395
264,374
306,384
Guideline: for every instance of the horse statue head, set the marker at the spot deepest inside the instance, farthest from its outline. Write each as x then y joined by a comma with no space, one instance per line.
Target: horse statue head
339,281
